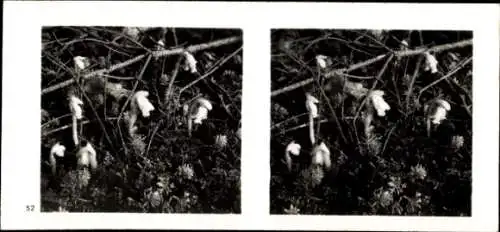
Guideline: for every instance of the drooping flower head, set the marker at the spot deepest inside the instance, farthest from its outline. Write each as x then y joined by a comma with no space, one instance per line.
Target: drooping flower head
202,106
321,60
190,62
437,110
143,103
81,62
430,63
378,102
293,148
87,156
321,156
58,150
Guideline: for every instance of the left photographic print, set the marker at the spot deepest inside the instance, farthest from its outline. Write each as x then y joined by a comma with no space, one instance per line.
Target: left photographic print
140,119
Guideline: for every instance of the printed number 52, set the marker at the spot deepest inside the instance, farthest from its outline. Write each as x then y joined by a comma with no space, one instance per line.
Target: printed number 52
30,208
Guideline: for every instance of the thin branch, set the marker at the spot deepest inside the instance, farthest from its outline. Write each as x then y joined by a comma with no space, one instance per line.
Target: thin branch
379,75
163,53
412,82
460,66
404,53
301,126
128,100
214,68
277,125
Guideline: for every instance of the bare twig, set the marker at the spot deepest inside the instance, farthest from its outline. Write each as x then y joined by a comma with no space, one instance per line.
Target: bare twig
128,100
277,125
174,72
213,69
118,78
302,126
379,75
162,53
404,53
172,79
335,118
412,82
55,119
460,66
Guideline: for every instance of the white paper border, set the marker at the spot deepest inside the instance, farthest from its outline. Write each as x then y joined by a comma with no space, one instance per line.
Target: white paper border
21,103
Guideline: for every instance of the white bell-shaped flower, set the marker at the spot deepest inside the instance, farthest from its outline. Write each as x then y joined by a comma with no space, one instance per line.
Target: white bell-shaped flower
439,113
321,156
404,43
190,63
379,34
132,32
161,44
321,61
75,106
201,111
311,105
58,150
376,98
293,148
81,62
141,98
430,63
201,114
87,156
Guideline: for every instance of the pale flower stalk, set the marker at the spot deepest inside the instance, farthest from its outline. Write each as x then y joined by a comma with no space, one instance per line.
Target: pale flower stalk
75,106
311,107
132,32
76,113
311,102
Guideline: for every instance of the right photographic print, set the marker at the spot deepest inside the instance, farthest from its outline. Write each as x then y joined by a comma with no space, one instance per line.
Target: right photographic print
371,122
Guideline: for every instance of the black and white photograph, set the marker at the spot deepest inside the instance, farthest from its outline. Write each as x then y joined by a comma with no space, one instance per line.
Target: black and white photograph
371,122
140,119
221,115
